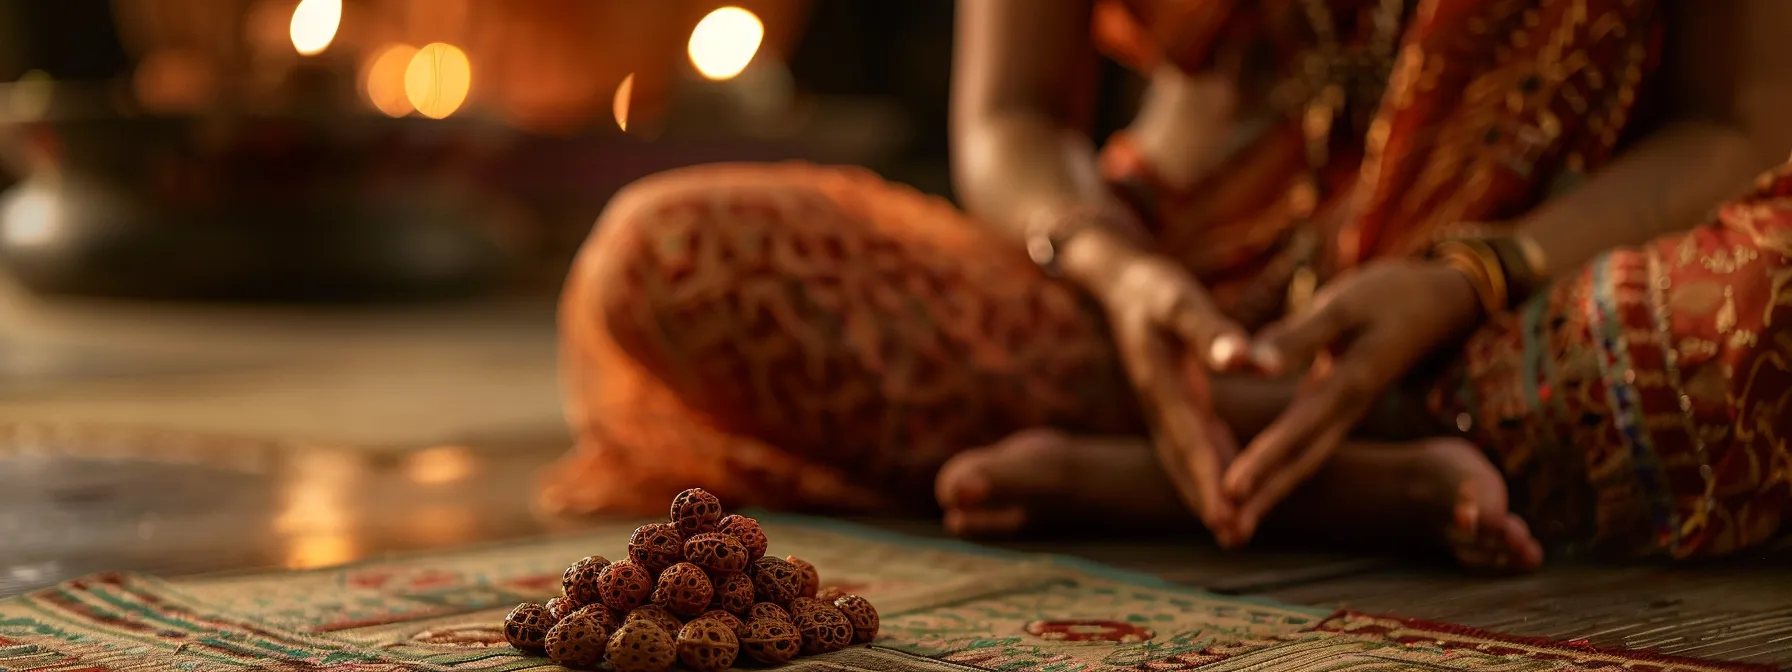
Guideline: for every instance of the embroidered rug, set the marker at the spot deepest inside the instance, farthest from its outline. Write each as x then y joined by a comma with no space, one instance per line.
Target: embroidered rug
947,607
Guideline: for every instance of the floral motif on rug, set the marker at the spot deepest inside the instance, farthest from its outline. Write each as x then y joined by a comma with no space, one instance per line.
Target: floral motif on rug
947,607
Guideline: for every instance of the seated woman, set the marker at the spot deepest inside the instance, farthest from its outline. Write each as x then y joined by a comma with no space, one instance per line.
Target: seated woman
1432,270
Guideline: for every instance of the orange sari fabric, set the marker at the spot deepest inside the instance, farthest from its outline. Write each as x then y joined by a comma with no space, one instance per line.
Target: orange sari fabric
809,337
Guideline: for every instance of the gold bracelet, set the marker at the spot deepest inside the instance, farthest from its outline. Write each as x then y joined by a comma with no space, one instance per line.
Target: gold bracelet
1496,272
1476,279
1482,270
1517,265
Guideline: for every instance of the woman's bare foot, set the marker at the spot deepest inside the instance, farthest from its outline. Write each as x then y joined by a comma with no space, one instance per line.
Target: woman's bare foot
1440,490
1041,477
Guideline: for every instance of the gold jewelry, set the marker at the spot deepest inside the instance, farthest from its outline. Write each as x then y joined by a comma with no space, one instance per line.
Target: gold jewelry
1475,260
1517,261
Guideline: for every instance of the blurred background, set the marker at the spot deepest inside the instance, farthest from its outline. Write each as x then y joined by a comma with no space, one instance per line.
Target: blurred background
399,149
277,277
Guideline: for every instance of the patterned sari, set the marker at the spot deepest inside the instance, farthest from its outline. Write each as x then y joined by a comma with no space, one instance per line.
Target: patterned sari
815,337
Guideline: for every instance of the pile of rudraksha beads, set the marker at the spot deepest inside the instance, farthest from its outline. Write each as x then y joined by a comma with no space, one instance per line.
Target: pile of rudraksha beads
698,590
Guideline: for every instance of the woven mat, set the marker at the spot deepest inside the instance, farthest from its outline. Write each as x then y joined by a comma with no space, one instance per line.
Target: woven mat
946,607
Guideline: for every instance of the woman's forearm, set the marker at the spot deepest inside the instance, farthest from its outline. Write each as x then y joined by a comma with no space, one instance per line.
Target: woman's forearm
1023,86
1016,169
1668,182
1013,167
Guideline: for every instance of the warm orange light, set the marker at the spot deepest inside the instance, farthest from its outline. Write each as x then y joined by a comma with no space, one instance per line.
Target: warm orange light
619,106
442,524
318,518
439,465
437,80
320,550
314,24
385,80
724,42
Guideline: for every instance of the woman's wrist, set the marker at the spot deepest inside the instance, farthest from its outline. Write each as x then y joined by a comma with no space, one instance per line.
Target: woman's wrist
1089,246
1507,268
1098,259
1464,286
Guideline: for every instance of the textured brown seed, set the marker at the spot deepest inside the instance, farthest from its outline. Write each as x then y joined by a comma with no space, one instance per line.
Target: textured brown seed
734,594
747,531
769,640
526,626
578,641
716,552
640,646
656,546
624,585
558,609
580,580
684,590
610,618
829,593
707,645
731,620
863,617
768,610
811,578
657,615
695,511
802,604
775,580
823,629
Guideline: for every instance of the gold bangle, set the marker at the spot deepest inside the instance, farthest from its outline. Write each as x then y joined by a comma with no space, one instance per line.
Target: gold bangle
1482,269
1517,265
1476,278
1496,272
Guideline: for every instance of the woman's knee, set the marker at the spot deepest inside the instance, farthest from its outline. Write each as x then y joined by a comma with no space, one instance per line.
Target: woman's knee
672,247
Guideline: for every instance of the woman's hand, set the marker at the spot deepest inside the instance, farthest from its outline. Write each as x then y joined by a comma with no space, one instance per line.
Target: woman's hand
1364,332
1170,333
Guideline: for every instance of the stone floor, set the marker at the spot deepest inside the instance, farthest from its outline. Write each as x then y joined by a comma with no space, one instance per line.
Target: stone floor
424,429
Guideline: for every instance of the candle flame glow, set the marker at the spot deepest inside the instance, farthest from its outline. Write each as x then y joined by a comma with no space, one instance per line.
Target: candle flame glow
438,79
314,24
619,106
724,42
385,80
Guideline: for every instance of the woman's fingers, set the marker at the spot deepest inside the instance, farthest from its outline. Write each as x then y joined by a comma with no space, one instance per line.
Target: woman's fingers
1279,484
1185,309
1317,405
1185,419
1178,418
1338,392
1300,338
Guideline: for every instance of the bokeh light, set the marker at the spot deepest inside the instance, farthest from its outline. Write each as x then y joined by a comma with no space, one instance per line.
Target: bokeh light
386,80
175,80
724,42
619,106
314,24
438,79
30,97
440,465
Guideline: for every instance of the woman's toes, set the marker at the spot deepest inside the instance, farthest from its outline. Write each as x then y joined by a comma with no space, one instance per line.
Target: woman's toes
963,482
986,522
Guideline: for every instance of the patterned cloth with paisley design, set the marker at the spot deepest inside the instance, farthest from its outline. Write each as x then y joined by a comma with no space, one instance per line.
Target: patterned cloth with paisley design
945,607
817,338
